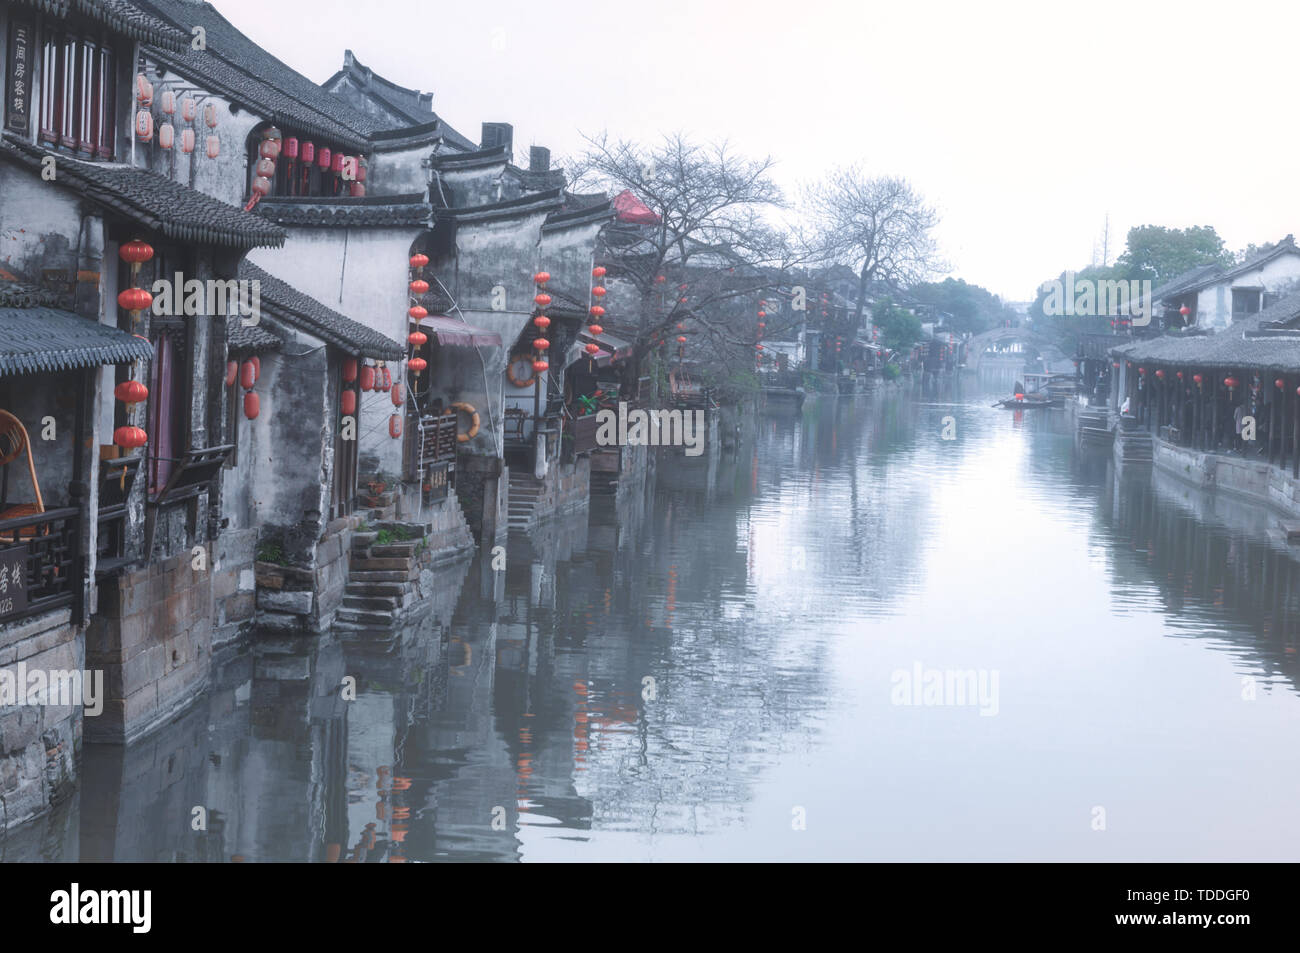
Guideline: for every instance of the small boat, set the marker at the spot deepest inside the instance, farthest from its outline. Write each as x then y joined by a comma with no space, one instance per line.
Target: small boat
1028,401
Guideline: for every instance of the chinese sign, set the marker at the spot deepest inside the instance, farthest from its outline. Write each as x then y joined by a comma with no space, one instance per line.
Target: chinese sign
13,580
18,89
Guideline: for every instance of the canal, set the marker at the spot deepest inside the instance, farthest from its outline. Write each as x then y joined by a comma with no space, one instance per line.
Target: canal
852,639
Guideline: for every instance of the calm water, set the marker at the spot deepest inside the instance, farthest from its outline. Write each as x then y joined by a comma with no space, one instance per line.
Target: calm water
710,670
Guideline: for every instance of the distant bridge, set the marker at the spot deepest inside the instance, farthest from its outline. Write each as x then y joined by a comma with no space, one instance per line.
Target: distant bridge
979,345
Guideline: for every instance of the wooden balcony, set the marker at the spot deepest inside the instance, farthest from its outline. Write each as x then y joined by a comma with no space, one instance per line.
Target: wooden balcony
433,441
41,563
584,433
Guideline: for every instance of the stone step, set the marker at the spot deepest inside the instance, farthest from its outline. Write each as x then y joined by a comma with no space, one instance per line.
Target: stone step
373,603
386,564
382,575
364,617
374,588
394,550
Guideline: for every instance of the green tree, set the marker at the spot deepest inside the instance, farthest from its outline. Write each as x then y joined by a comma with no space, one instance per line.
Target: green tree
1158,253
972,308
899,329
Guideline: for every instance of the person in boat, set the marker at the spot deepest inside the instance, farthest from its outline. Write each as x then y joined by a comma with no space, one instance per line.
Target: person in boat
1019,389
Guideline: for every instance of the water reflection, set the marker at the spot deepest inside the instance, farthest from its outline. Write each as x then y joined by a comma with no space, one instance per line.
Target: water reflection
680,672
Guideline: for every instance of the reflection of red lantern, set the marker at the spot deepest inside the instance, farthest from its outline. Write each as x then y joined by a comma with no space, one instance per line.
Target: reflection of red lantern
130,438
131,392
417,338
542,277
348,402
540,366
419,286
252,405
542,322
395,426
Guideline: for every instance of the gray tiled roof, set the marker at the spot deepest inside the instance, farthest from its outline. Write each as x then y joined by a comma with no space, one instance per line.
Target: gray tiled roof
238,68
122,16
20,294
1250,343
290,305
373,211
406,107
242,337
153,200
48,339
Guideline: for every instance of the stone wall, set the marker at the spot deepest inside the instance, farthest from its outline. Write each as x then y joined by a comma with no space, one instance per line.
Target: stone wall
1256,480
39,744
152,637
233,596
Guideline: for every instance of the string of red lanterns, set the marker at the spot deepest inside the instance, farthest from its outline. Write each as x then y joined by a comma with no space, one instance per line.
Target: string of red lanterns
132,392
541,343
595,329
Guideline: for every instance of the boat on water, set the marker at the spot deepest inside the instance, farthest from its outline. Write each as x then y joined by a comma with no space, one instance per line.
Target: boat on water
1028,402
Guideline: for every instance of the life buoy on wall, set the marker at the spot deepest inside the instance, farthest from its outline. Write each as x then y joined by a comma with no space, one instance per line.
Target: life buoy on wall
470,434
524,361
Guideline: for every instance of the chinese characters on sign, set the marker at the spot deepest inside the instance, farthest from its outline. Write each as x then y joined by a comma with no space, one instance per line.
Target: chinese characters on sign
18,89
13,580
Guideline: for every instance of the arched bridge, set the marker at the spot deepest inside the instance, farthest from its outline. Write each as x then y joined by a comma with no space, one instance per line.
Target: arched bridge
979,345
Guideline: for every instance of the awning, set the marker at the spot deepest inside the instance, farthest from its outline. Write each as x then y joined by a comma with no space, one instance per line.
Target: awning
611,344
48,339
629,208
454,333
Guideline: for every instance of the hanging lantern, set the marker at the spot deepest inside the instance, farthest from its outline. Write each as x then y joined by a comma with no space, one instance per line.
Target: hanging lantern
542,277
143,90
417,365
309,151
1184,311
167,103
210,115
1160,375
395,426
356,190
681,339
272,134
1279,383
1180,375
762,314
759,347
131,392
762,324
541,344
362,167
291,148
269,149
1114,365
396,395
417,338
367,378
213,146
265,167
540,366
348,402
1142,371
144,125
542,299
592,349
337,162
187,141
419,286
418,313
247,375
252,405
388,378
232,372
660,279
261,186
1230,382
598,291
189,109
349,370
595,330
130,438
598,271
134,300
323,158
597,311
419,260
136,253
1198,379
681,300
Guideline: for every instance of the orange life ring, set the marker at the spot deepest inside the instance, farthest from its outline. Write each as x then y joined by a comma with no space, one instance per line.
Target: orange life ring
510,371
473,421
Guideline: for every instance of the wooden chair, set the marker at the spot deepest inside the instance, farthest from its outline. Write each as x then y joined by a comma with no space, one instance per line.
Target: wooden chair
13,443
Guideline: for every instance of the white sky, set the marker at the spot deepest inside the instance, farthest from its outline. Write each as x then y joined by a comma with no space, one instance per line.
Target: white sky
1024,123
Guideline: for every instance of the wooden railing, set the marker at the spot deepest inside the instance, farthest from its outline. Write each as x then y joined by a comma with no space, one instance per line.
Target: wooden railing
434,442
40,557
584,433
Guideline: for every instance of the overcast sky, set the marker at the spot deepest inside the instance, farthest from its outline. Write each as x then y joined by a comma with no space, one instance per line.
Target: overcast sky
1024,124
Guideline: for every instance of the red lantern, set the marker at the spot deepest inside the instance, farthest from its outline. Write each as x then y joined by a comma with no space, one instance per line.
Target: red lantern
395,426
349,370
591,349
166,136
762,314
210,115
213,146
542,300
759,347
1160,375
144,125
417,364
1115,365
134,300
540,366
681,339
542,322
541,344
1279,383
419,260
262,186
1180,375
356,190
367,378
252,405
418,313
348,402
257,366
247,375
1230,382
419,286
417,338
187,141
131,392
660,279
396,395
309,151
1184,311
269,149
323,158
189,109
336,163
1198,379
130,437
598,291
1142,371
595,330
385,377
266,167
597,311
136,253
232,372
542,277
362,166
598,271
291,148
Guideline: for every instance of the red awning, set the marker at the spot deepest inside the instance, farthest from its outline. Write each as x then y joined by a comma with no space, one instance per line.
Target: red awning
629,208
611,346
456,333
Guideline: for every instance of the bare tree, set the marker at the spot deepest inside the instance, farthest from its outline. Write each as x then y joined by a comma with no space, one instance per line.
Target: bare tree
878,226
